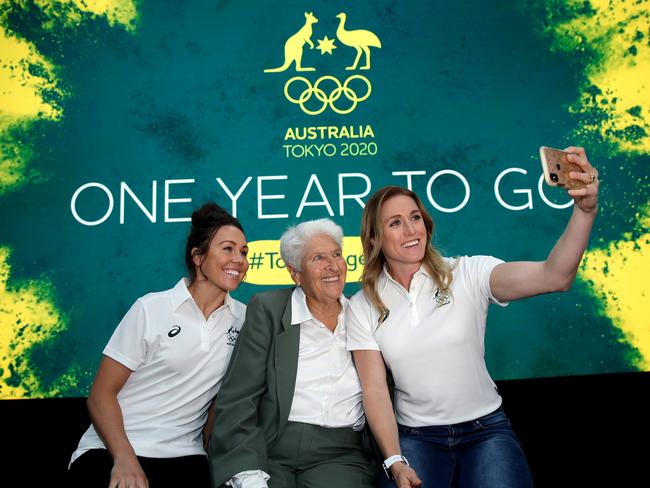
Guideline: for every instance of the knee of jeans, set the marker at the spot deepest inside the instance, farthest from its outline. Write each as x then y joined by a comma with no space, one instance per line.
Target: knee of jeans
501,457
503,444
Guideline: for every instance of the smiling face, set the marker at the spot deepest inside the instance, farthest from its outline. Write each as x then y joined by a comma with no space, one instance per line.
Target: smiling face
404,234
323,269
225,263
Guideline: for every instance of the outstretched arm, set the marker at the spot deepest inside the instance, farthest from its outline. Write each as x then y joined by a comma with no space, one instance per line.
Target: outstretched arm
379,412
515,280
106,415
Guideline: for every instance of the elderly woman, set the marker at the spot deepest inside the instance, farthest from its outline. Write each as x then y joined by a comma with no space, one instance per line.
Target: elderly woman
289,413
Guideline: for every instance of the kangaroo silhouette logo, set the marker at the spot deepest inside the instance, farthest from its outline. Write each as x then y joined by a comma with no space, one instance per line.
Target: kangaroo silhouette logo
341,96
293,46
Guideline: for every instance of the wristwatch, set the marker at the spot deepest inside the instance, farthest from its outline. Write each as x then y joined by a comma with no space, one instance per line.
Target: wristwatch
388,462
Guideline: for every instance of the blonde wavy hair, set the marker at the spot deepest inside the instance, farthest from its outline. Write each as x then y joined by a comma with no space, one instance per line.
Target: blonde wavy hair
372,237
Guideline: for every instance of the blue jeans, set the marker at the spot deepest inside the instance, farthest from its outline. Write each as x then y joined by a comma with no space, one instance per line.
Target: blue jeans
481,453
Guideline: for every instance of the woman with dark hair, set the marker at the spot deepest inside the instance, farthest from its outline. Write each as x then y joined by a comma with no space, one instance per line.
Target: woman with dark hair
163,366
422,316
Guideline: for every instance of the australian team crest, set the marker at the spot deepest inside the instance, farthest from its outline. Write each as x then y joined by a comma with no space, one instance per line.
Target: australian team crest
315,95
441,298
232,335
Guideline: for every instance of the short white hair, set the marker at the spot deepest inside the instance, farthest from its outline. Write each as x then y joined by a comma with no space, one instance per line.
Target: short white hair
293,242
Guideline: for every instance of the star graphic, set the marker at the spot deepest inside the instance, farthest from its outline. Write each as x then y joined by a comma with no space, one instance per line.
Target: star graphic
326,45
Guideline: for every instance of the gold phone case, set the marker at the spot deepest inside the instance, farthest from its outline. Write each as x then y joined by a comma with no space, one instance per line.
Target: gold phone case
557,168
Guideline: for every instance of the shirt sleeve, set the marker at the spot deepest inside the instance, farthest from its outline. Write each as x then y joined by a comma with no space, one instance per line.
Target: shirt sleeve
477,272
128,344
249,479
360,324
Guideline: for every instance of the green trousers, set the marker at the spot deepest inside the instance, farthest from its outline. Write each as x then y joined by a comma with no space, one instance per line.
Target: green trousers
308,456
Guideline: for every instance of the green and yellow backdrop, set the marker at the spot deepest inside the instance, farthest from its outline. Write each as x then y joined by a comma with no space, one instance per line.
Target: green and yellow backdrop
118,118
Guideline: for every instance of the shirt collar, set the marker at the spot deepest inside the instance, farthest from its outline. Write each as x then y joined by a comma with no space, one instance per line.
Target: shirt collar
180,294
300,311
385,277
236,308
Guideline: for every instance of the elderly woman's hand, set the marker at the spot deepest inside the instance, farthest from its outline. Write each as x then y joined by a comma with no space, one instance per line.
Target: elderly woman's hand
586,199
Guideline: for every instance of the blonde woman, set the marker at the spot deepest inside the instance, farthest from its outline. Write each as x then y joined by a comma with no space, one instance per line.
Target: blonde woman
423,317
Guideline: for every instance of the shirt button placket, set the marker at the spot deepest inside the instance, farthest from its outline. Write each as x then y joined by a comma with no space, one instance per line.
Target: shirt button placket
205,337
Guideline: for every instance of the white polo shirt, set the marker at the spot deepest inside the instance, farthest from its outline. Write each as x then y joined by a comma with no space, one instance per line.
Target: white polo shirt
178,359
328,390
433,344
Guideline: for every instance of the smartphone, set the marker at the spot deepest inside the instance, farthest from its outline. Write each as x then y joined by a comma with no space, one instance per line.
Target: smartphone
557,168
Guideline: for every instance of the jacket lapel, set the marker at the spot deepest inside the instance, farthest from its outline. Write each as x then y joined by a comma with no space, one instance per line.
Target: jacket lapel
286,363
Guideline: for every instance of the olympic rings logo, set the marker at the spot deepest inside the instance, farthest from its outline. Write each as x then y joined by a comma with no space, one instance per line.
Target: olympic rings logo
327,100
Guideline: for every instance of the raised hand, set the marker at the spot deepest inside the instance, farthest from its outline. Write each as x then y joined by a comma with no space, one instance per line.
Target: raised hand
586,199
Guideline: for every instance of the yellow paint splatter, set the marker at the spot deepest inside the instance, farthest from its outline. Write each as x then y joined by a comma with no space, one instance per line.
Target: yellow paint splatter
619,275
29,90
20,89
29,84
619,32
118,12
28,317
614,39
25,76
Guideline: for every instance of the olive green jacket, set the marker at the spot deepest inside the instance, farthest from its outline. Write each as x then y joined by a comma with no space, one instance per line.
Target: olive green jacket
253,404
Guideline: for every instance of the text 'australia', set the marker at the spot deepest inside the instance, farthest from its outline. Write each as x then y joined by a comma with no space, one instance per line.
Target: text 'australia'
329,132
